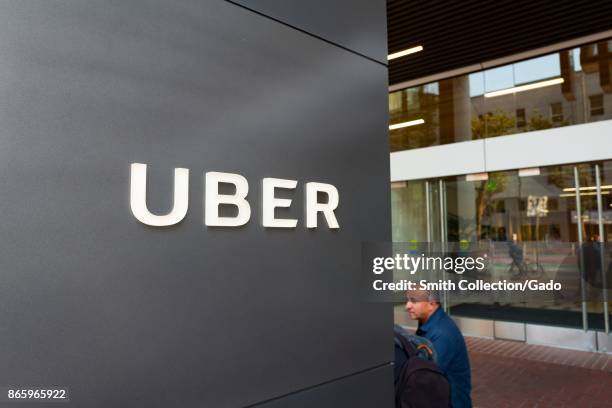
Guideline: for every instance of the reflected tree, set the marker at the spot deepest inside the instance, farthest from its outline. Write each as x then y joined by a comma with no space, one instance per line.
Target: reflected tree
493,124
539,122
496,183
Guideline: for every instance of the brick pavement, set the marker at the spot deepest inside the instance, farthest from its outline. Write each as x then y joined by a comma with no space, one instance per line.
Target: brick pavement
513,374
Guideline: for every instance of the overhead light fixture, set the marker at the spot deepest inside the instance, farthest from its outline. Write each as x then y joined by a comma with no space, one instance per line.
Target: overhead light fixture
587,188
584,194
531,171
406,124
398,184
409,51
522,88
477,177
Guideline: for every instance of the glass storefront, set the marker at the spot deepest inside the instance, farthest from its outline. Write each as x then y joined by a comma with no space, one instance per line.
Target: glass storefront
535,212
565,88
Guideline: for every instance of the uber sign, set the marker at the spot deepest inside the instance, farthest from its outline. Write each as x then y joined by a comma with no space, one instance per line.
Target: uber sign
212,200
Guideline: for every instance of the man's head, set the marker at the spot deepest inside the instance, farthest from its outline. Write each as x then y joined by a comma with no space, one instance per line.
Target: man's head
421,304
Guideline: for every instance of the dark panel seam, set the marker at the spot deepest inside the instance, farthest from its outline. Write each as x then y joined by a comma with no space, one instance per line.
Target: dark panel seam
319,385
307,33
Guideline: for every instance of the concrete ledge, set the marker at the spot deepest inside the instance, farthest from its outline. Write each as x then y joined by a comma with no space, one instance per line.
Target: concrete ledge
569,144
475,327
575,339
438,161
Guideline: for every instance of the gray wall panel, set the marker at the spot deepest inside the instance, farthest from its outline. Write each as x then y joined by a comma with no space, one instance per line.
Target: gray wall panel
359,25
129,315
354,392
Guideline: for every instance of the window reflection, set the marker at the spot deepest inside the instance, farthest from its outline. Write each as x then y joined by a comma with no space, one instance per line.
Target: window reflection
537,69
533,212
565,88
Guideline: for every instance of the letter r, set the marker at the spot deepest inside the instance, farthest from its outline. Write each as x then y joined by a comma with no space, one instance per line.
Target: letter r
313,206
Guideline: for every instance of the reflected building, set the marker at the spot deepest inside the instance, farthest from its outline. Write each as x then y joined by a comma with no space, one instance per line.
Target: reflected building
516,154
560,89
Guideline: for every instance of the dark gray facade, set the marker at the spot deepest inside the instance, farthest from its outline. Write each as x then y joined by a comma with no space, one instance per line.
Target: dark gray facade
358,25
124,314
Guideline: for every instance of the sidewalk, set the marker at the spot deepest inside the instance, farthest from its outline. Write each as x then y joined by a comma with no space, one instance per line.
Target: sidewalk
514,374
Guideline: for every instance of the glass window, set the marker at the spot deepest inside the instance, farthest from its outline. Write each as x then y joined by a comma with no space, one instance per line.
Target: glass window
408,211
597,106
520,118
556,112
476,84
537,69
499,78
532,213
568,87
395,102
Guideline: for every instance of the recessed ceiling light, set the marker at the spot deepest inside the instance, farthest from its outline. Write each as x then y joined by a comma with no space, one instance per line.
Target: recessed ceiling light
531,171
587,188
584,194
477,177
406,124
523,88
409,51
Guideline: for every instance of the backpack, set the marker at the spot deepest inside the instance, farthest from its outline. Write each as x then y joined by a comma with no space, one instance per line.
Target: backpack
420,383
424,347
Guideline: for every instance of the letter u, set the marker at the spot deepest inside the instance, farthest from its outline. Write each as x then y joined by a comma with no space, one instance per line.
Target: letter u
138,197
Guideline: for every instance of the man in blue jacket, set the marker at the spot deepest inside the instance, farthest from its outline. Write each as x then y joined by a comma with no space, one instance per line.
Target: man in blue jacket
446,338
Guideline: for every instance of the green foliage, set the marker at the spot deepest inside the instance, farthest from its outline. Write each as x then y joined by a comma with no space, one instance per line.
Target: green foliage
501,123
539,122
493,124
496,183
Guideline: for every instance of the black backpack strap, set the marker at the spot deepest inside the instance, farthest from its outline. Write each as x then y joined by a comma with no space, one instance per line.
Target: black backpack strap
406,345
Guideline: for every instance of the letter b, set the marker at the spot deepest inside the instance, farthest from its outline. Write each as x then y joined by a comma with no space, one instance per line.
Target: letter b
213,199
